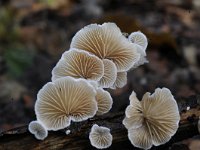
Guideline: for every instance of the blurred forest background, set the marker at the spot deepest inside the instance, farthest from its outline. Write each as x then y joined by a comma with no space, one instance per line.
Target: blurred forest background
34,34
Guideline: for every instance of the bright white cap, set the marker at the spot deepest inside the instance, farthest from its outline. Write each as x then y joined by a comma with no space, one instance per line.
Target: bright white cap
104,101
39,131
107,42
78,64
120,81
152,121
100,137
110,74
64,100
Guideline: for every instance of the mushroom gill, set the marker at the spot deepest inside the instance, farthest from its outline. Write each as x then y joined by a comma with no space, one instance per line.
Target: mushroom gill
39,131
78,64
104,101
107,42
120,81
152,121
64,100
110,74
100,137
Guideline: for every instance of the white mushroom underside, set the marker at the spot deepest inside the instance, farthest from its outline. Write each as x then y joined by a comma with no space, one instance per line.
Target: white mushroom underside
157,115
107,42
104,101
38,130
64,100
78,64
120,81
100,137
110,74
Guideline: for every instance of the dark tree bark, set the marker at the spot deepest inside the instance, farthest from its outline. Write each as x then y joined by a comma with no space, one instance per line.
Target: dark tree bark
20,138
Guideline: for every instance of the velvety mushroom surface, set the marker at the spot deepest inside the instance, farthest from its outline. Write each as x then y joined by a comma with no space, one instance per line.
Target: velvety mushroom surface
64,100
152,121
78,64
107,42
110,74
100,137
39,131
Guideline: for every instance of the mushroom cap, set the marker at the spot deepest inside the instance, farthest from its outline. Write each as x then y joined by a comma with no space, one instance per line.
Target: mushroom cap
100,137
104,101
120,81
157,115
139,39
64,100
110,74
78,64
39,131
107,42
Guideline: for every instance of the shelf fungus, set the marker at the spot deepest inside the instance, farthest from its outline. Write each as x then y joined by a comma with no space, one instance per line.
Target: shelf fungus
120,81
39,131
100,137
78,64
152,121
110,74
107,42
104,101
65,100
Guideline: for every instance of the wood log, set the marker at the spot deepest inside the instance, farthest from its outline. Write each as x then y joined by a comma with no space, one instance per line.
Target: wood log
20,138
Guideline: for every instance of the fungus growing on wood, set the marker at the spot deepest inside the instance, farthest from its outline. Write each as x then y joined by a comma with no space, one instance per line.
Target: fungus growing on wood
64,100
120,81
104,101
110,74
152,121
78,64
107,42
100,137
39,131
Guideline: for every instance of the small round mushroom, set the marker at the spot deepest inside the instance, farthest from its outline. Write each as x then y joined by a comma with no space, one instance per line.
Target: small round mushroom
64,100
39,131
100,137
141,42
104,101
107,42
140,39
152,121
110,74
78,64
120,81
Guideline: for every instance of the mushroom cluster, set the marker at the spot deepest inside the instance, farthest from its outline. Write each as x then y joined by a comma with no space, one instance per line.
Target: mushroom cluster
152,121
99,57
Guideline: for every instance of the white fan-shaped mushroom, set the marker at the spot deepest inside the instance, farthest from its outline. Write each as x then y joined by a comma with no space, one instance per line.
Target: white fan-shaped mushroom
64,100
104,101
120,81
78,64
154,120
140,39
107,42
39,131
100,137
110,74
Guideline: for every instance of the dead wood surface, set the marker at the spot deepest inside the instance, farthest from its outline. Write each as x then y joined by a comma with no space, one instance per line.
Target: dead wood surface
20,138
